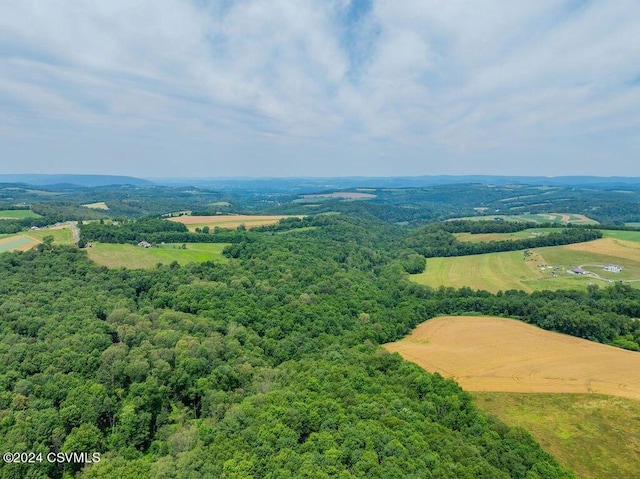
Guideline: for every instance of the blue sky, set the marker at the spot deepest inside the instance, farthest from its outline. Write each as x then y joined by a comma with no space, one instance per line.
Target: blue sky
320,87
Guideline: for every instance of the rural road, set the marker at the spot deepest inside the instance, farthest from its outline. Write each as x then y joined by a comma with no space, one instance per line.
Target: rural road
75,231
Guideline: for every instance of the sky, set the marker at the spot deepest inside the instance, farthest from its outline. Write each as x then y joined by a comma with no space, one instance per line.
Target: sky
199,88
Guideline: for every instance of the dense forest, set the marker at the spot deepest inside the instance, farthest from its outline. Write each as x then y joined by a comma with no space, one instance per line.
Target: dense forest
266,366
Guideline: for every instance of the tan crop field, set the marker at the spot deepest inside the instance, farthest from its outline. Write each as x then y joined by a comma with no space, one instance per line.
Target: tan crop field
227,221
497,354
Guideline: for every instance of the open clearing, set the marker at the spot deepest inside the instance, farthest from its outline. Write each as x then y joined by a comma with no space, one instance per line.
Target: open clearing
136,257
497,354
514,270
17,214
101,205
535,218
594,435
227,221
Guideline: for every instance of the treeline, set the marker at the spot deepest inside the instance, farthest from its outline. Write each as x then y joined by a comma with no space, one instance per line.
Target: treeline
154,231
605,315
430,241
483,226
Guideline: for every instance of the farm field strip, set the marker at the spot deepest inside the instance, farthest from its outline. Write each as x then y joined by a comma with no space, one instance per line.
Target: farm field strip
226,221
505,355
136,257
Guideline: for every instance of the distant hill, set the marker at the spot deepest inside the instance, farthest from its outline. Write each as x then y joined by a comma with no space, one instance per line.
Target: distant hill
309,184
75,180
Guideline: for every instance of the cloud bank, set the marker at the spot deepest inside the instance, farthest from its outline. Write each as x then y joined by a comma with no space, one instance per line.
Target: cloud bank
320,87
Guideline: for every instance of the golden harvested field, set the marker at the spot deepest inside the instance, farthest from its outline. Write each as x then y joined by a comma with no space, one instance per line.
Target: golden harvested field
497,354
227,221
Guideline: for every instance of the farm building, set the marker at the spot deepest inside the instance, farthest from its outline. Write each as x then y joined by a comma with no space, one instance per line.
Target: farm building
144,244
612,268
578,271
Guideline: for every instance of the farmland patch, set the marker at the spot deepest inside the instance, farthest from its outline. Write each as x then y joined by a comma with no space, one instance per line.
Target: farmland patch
137,257
497,354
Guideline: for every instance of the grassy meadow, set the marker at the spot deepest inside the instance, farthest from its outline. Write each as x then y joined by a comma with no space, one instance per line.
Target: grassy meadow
515,270
596,436
17,214
136,257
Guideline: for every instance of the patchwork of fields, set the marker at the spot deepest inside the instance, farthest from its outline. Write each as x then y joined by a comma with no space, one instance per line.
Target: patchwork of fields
515,270
136,257
226,221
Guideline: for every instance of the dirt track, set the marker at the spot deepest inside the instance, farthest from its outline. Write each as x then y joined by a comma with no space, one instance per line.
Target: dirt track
497,354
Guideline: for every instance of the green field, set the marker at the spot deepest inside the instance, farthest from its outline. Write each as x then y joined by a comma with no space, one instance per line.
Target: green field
18,214
596,436
540,218
61,235
136,257
623,235
513,270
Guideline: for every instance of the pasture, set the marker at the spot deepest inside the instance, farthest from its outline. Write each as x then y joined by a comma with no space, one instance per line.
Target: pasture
596,436
505,355
515,270
226,221
539,218
17,214
136,257
491,272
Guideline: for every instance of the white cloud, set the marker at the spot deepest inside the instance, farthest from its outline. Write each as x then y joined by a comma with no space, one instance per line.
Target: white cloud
442,76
